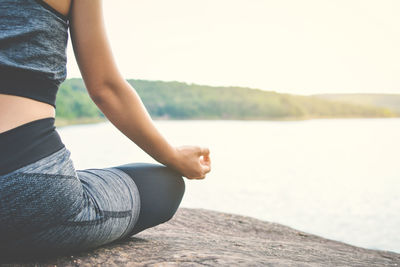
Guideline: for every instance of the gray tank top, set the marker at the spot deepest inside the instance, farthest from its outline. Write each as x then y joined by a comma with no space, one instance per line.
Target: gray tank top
33,41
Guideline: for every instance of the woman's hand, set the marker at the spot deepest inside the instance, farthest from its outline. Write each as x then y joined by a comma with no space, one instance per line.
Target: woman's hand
192,161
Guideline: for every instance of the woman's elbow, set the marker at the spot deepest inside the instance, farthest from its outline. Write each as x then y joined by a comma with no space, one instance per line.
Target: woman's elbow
101,94
104,91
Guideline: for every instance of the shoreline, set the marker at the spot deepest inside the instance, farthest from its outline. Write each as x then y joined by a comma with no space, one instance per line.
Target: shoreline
62,122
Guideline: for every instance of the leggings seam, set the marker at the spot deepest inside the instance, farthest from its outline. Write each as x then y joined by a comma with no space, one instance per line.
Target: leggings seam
105,215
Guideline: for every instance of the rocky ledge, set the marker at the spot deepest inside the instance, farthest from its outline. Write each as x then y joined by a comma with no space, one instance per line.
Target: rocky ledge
197,237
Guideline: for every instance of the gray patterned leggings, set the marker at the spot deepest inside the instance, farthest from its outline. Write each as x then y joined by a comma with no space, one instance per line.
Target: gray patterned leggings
49,207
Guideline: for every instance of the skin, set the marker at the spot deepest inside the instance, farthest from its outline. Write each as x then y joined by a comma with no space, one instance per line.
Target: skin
119,102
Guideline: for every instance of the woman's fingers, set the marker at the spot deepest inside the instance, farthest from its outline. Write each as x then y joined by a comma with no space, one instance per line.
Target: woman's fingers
205,160
193,161
203,151
206,168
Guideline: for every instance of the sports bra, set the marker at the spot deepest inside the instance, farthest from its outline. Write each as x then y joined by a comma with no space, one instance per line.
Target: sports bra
33,42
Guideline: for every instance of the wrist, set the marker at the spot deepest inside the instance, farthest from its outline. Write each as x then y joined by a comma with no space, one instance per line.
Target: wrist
170,158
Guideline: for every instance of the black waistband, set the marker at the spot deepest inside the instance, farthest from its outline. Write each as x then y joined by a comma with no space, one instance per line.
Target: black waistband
28,143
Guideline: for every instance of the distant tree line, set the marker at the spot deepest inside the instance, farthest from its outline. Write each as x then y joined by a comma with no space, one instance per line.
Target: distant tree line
177,100
390,101
74,102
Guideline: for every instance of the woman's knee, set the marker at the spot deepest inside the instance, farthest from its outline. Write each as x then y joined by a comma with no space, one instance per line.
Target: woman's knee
161,190
150,175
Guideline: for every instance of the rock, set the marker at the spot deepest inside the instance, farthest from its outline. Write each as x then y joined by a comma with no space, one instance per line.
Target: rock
196,237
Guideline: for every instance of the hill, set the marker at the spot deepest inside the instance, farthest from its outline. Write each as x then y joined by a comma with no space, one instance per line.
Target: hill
73,101
390,101
177,100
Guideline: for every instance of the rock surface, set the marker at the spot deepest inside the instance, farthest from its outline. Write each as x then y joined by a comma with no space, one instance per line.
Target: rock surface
197,237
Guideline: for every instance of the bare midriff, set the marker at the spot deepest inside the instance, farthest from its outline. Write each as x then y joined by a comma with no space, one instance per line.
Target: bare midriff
17,110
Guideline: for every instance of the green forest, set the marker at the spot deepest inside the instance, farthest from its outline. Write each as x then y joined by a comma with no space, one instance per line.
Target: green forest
390,101
178,100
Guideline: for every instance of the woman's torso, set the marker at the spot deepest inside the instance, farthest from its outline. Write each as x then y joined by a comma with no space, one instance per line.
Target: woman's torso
17,110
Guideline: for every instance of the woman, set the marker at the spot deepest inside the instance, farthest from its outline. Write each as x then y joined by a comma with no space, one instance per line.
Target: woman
46,206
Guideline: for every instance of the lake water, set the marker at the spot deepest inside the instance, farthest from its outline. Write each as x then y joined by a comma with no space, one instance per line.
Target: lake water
339,179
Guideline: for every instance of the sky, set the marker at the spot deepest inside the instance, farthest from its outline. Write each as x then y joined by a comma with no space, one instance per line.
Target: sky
289,46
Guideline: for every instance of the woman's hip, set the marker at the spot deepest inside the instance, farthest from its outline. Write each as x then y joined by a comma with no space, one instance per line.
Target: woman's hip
49,205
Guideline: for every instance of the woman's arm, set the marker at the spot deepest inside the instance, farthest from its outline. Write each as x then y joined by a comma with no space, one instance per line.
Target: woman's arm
118,100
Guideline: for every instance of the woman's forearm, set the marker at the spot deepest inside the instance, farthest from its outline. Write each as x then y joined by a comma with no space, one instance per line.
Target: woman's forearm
121,104
118,100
